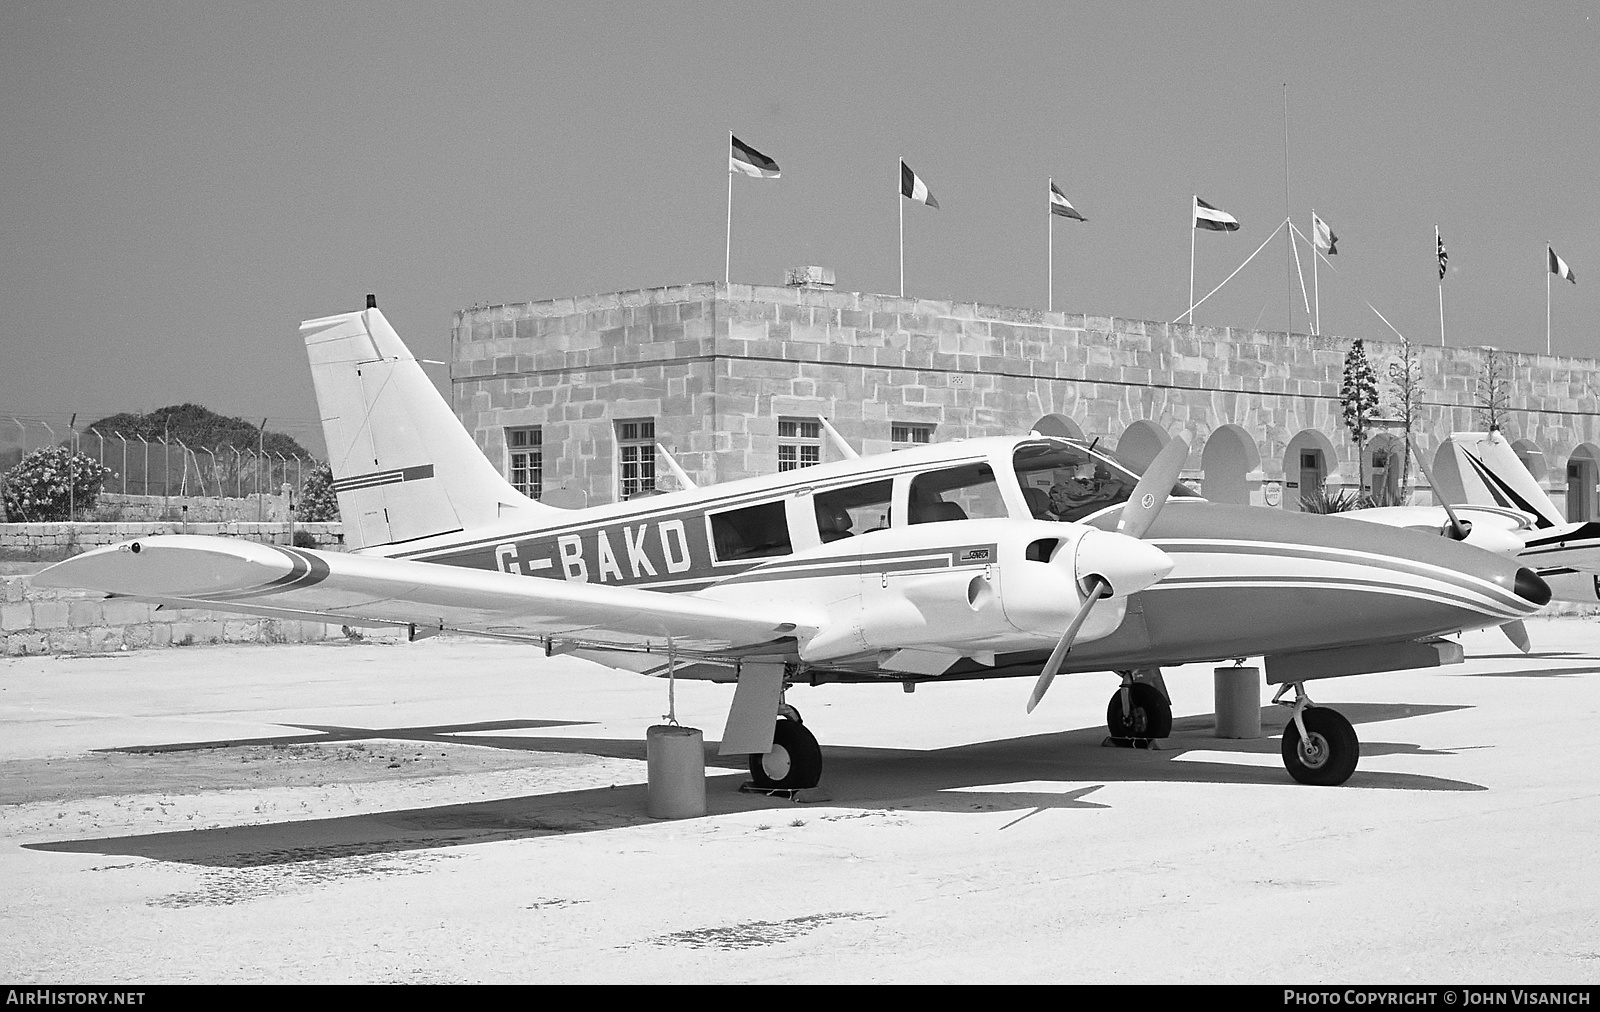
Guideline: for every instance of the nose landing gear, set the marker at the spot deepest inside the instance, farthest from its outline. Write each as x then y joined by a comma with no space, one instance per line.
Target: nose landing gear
1139,711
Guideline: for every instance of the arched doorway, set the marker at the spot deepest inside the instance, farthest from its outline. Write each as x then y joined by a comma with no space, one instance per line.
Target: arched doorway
1229,457
1307,465
1386,460
1056,424
1139,444
1532,458
1583,471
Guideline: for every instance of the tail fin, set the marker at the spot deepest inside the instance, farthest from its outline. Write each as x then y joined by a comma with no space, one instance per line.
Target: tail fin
1481,469
403,466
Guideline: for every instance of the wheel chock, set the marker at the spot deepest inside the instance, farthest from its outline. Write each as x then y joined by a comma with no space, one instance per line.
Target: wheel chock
1148,744
798,795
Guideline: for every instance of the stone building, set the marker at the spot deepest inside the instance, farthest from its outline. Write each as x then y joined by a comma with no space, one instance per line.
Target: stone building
572,396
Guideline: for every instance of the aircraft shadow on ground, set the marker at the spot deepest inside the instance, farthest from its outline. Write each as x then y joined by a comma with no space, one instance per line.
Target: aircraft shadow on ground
873,779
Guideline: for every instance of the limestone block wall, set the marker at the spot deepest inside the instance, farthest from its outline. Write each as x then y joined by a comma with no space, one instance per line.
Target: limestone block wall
39,620
717,365
115,507
49,542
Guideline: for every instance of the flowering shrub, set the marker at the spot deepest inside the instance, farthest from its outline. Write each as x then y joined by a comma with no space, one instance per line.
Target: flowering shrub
49,483
317,500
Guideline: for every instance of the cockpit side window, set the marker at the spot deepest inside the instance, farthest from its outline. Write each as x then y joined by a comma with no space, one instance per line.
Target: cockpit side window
856,509
1061,481
754,532
968,492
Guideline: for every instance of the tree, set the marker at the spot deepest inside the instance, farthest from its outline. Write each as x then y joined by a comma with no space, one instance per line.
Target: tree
1358,395
1493,389
1405,380
195,425
317,500
52,483
200,430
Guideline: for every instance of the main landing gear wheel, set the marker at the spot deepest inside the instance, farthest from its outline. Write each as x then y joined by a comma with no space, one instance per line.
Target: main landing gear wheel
1327,754
794,763
1149,714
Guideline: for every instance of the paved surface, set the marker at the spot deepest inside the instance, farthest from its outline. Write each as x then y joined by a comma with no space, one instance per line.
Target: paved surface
465,811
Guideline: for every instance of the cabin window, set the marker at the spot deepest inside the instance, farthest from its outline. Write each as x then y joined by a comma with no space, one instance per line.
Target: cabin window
858,509
1065,482
904,435
799,443
636,457
754,532
525,460
968,492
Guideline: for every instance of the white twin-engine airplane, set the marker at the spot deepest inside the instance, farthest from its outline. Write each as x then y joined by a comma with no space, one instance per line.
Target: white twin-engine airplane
1483,471
934,563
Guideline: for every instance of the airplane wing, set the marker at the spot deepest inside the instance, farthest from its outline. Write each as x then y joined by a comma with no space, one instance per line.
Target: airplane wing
1569,546
1492,529
229,574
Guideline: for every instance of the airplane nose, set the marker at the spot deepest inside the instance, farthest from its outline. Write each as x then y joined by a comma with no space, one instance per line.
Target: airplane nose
1531,587
1127,564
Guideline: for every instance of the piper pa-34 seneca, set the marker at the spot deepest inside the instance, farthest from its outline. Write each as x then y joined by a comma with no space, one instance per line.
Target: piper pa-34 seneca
947,561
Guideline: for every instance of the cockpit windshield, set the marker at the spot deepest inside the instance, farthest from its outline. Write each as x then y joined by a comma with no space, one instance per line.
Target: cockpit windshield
1064,481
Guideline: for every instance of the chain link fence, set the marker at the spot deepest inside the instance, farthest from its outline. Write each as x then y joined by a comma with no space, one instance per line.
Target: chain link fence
164,468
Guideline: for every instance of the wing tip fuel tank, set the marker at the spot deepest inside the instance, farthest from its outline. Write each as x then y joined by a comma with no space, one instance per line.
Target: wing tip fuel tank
174,565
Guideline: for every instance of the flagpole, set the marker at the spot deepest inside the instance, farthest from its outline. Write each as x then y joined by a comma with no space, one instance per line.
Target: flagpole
1288,262
902,201
1437,240
727,260
1548,249
1316,286
1050,258
1194,209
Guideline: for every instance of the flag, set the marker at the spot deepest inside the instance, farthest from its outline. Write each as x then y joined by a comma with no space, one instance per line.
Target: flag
1327,242
1059,204
913,187
1208,217
1444,258
746,159
1559,267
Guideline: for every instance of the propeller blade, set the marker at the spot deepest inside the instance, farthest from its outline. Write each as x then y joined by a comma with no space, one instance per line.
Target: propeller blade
1458,530
1517,633
1059,654
1140,511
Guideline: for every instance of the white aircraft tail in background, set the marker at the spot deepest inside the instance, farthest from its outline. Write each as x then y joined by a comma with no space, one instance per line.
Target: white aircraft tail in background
403,467
1482,469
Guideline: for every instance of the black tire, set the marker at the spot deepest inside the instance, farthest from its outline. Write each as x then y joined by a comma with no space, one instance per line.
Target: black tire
1330,755
794,763
1151,716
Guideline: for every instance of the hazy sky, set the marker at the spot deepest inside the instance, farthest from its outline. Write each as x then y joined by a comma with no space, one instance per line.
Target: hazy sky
184,182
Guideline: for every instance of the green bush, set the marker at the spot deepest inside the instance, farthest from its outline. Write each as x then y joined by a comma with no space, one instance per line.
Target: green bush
49,483
317,502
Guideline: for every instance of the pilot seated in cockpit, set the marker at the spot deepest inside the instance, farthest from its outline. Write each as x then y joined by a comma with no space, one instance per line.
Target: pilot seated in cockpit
1085,493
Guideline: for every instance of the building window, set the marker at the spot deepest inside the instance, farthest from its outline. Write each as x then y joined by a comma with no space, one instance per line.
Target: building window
525,447
904,435
799,443
636,446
